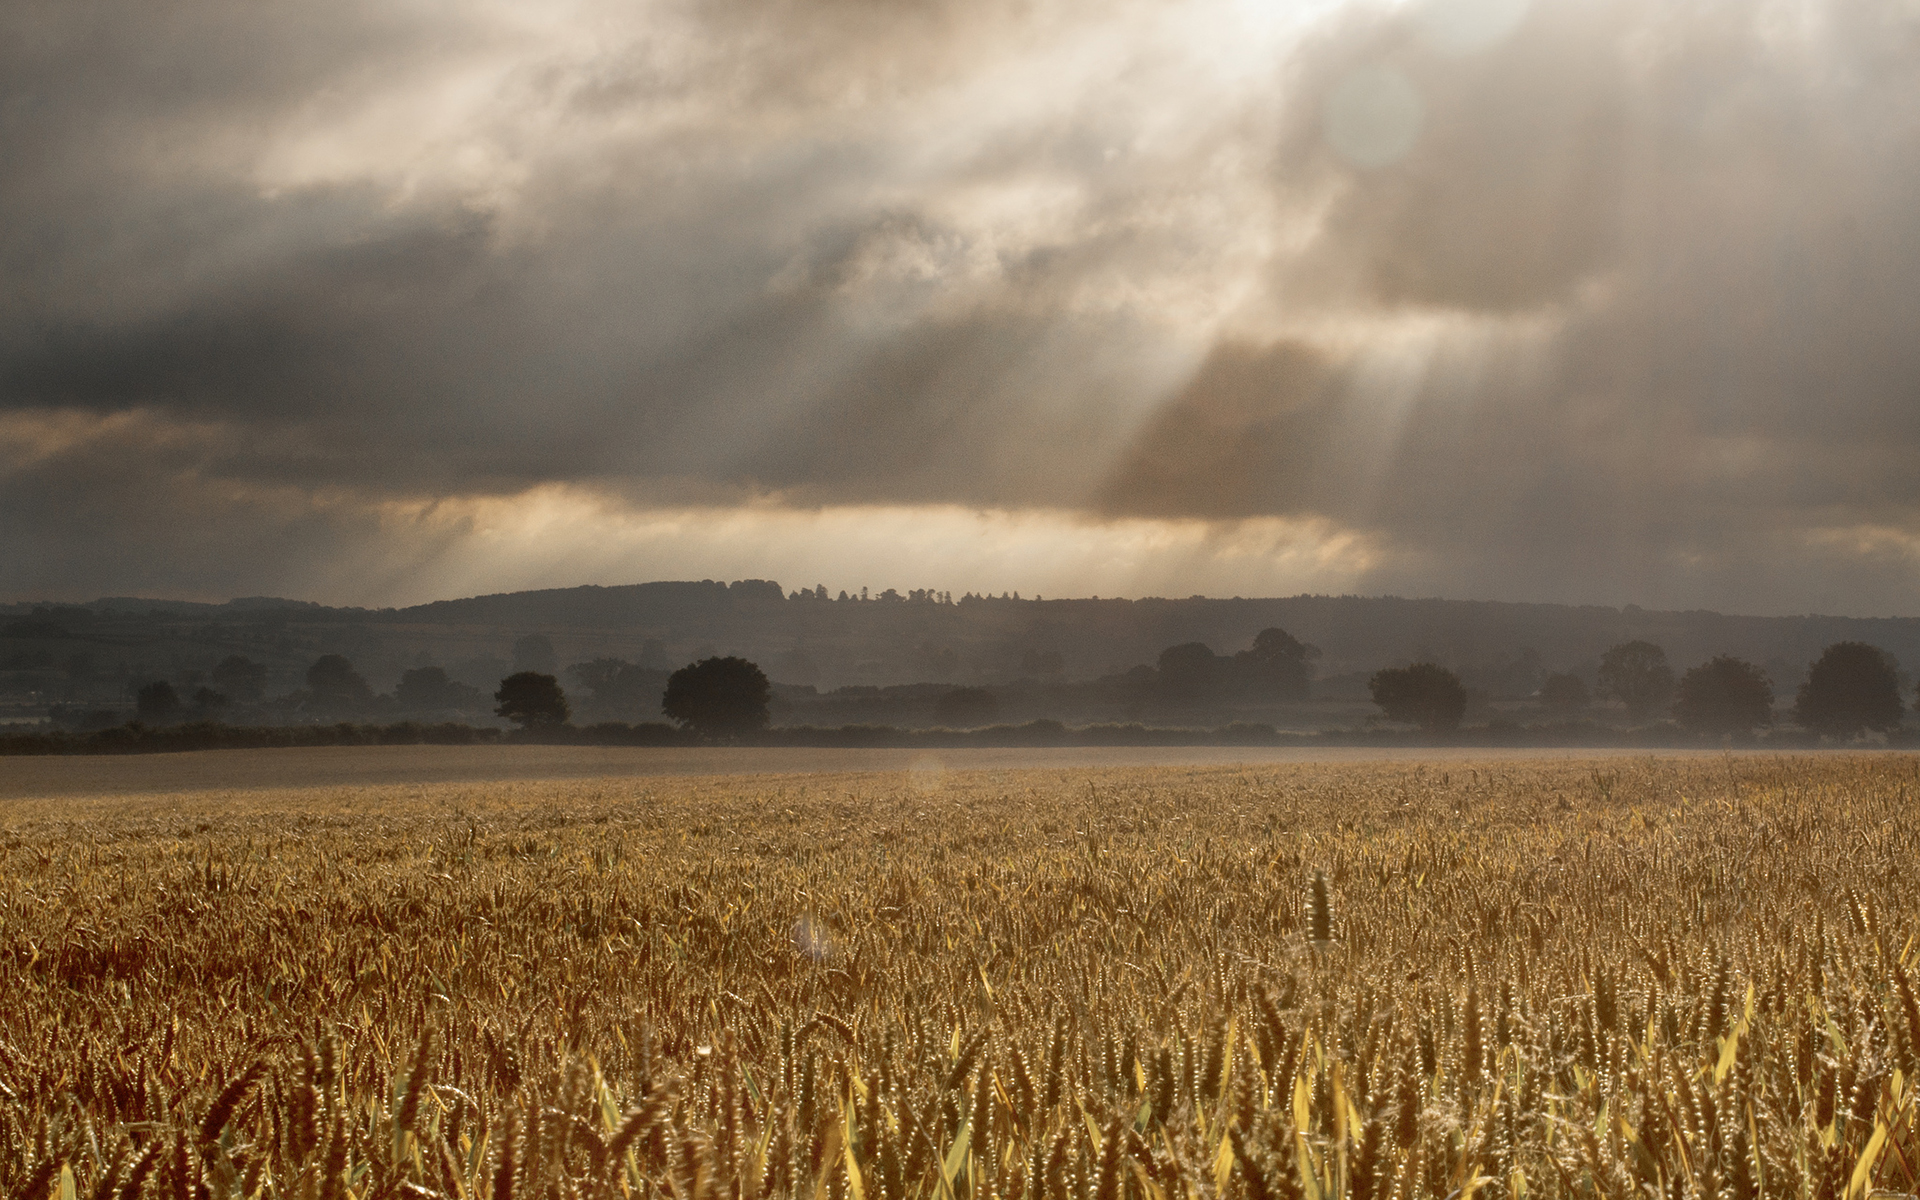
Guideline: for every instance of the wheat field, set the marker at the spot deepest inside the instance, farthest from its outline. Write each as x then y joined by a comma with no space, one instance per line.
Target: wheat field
1627,977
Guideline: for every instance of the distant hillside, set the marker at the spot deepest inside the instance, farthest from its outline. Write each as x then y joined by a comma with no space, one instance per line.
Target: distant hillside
804,638
897,640
639,604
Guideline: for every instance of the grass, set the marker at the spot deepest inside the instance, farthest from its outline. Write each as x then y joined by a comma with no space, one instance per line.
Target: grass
1594,977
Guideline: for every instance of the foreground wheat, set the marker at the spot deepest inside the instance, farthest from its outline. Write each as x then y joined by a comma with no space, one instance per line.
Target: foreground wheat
1680,979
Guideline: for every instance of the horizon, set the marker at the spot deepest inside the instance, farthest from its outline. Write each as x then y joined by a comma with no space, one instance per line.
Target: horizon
874,595
1582,302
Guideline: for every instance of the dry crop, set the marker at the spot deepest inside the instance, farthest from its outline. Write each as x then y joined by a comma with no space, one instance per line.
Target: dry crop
1659,977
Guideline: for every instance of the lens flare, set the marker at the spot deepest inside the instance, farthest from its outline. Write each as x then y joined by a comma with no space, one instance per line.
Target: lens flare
1464,26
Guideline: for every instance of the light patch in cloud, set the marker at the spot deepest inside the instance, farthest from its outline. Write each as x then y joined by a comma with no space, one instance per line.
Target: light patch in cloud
1465,26
1884,545
562,536
1374,116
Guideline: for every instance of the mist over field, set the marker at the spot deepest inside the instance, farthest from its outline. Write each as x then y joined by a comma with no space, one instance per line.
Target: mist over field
1587,301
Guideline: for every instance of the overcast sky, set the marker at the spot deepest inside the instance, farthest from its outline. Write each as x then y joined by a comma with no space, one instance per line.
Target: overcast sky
375,302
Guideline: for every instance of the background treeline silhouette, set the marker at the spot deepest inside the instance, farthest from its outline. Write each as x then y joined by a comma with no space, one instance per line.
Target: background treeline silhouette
1852,690
921,636
937,660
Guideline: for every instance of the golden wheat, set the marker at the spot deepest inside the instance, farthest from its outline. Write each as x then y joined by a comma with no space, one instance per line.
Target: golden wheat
1683,977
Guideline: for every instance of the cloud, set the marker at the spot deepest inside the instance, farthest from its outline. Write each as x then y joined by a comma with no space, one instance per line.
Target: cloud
147,486
1573,300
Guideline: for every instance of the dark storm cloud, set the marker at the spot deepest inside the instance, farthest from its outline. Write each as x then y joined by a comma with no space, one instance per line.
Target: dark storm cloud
1621,310
1631,314
672,310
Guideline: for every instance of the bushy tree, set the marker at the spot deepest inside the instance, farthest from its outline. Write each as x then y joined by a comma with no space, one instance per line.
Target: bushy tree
1424,694
529,698
718,697
1637,674
1724,695
966,707
1851,688
1278,667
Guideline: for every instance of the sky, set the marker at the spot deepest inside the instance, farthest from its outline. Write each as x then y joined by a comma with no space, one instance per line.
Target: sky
383,301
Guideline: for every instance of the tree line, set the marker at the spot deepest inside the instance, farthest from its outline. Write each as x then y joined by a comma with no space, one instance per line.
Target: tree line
716,697
1851,689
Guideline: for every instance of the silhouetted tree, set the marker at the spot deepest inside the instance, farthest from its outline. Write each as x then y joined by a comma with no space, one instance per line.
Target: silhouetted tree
534,653
529,699
157,703
425,688
243,679
208,704
1850,688
335,684
1637,674
1424,694
1189,671
1278,667
1724,695
718,697
1563,694
966,707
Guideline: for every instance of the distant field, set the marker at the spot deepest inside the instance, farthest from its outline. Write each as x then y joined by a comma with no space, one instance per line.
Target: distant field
351,766
417,977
